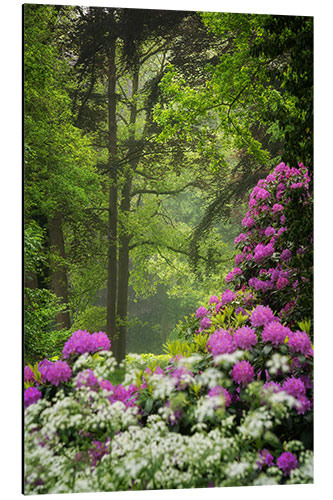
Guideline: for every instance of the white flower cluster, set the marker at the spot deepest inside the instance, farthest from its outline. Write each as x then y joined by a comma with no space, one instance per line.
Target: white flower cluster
256,423
278,362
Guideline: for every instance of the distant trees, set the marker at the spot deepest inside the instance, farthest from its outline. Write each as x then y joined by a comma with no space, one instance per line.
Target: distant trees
121,56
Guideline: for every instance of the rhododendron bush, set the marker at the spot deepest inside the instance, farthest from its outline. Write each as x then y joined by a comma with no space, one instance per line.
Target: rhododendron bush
230,404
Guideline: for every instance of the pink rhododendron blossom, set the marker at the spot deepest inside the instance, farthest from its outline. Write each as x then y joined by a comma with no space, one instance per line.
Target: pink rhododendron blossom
261,315
263,251
269,231
275,332
265,458
213,300
294,386
87,378
29,375
205,323
245,338
277,208
243,373
240,238
285,255
287,462
282,283
220,342
227,296
299,342
100,342
31,396
57,372
201,312
248,222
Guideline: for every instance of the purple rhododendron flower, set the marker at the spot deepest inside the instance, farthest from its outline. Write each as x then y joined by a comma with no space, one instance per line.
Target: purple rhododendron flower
227,296
270,178
265,458
287,462
87,378
205,323
248,222
263,251
285,255
213,300
221,342
275,332
56,372
245,338
218,306
98,450
281,231
300,342
100,342
239,238
260,193
239,258
220,391
82,342
277,208
78,343
31,396
29,375
261,315
294,387
282,283
201,312
304,405
243,373
269,231
120,393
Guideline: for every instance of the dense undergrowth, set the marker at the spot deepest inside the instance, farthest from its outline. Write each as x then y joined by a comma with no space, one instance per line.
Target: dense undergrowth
231,401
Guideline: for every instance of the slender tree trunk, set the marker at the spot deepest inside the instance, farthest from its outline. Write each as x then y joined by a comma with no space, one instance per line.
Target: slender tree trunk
122,303
113,194
125,237
59,281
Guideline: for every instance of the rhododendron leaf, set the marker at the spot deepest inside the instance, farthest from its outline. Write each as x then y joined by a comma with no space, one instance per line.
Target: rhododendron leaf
149,405
305,325
267,349
272,439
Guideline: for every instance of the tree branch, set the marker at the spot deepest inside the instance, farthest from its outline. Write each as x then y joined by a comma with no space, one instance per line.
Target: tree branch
171,192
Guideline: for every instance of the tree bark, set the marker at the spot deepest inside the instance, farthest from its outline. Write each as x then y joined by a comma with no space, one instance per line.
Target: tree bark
59,282
113,194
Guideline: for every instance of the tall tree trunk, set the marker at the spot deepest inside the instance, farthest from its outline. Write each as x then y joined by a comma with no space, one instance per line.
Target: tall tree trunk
59,281
125,237
122,303
111,314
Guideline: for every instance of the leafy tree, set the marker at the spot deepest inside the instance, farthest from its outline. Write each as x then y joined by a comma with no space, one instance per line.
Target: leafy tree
253,93
60,179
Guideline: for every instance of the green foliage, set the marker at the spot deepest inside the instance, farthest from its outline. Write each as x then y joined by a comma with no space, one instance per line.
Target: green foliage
41,339
40,305
92,319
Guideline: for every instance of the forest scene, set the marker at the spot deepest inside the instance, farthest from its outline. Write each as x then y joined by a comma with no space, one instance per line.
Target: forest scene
168,249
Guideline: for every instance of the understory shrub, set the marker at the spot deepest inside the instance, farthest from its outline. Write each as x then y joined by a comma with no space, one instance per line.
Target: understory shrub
229,404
